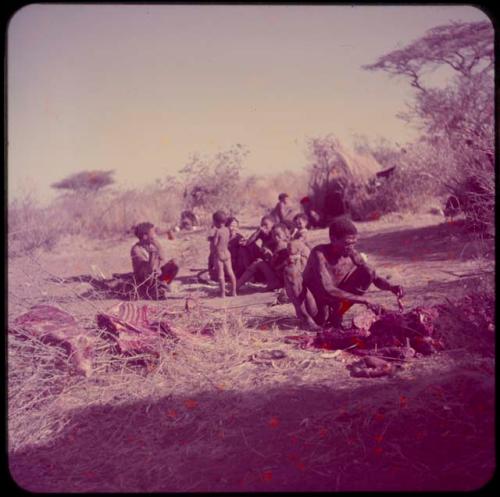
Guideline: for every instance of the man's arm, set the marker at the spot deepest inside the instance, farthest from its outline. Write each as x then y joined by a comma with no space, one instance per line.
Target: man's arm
253,237
383,284
160,250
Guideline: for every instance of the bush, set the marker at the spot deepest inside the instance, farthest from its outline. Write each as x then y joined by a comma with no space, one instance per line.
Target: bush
31,227
213,183
97,215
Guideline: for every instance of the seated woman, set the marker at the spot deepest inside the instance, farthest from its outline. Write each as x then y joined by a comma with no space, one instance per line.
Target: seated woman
152,271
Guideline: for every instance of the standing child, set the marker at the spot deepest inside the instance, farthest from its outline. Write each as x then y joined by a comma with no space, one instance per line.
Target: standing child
219,240
235,246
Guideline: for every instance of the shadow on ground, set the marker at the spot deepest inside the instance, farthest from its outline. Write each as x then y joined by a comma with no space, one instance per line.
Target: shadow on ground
442,242
282,439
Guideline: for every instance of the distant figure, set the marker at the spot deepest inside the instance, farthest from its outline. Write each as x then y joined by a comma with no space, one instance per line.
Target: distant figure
188,220
338,276
452,207
219,241
300,231
313,218
335,203
283,212
152,271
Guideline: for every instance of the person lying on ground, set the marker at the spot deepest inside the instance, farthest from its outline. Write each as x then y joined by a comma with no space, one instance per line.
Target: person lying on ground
313,218
219,241
152,271
283,212
338,276
300,231
272,266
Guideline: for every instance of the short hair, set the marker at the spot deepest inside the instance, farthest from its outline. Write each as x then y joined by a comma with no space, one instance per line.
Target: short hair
219,217
300,215
342,226
281,227
142,229
305,200
266,218
230,220
282,196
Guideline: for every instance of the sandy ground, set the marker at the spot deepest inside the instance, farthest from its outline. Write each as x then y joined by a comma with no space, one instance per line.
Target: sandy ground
236,425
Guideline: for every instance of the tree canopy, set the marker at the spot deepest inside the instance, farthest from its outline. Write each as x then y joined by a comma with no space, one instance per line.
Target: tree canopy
85,181
466,47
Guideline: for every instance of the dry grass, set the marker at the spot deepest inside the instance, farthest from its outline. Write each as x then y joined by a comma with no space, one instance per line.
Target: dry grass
203,416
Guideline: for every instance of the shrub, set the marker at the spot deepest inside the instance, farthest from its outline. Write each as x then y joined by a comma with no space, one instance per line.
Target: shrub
213,183
31,227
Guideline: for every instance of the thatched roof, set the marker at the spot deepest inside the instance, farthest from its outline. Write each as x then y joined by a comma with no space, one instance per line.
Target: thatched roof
354,166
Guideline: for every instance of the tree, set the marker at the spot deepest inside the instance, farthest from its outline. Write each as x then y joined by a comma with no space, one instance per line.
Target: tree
86,181
458,117
465,47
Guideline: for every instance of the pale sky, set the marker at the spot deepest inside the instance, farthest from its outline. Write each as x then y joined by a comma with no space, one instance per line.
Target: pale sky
139,88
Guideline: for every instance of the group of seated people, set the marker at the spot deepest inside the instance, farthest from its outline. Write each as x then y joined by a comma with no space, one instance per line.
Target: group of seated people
322,282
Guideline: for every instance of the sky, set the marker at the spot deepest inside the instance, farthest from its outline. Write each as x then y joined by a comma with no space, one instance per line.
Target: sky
138,89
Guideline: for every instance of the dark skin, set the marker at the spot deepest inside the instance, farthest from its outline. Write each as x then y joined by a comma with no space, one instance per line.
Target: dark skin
344,247
302,300
266,227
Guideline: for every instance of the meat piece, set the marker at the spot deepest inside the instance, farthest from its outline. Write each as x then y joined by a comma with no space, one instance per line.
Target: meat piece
54,326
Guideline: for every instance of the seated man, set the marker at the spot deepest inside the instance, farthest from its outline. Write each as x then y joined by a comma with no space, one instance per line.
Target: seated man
251,251
338,276
273,261
152,272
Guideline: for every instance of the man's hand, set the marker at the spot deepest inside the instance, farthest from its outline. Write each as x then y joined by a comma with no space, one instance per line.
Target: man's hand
266,252
398,291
